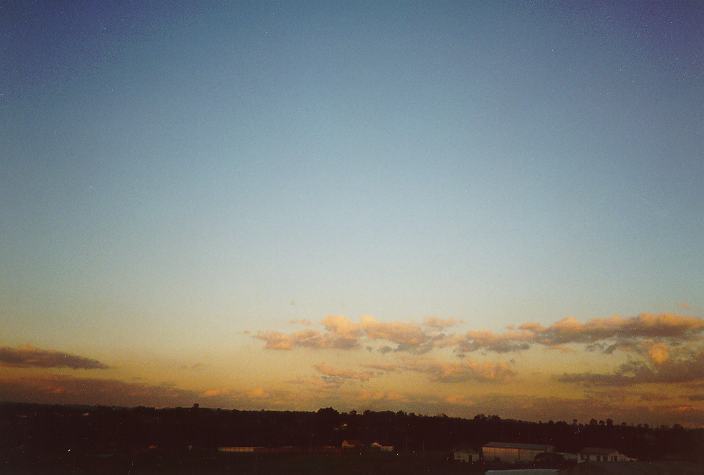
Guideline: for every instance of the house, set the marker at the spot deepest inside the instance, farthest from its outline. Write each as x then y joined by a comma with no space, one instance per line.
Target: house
465,455
528,471
569,456
238,450
508,452
382,447
600,454
352,444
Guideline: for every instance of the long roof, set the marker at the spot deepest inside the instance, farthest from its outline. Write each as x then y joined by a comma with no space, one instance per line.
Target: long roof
597,450
511,445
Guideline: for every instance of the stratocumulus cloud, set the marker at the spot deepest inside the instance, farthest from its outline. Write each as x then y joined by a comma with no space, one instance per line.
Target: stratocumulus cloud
304,339
604,334
682,370
451,372
645,325
31,357
644,333
509,341
342,333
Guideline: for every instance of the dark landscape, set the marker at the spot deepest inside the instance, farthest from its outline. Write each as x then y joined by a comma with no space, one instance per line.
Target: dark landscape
97,439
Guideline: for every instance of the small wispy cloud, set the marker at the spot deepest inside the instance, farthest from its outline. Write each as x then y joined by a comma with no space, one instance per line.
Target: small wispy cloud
301,321
192,367
338,375
440,323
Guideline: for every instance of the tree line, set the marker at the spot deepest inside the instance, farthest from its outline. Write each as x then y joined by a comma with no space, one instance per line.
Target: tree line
100,428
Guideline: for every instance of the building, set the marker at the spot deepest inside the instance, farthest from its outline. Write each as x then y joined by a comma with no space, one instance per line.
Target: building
352,444
465,455
508,452
599,454
528,471
569,456
382,447
238,450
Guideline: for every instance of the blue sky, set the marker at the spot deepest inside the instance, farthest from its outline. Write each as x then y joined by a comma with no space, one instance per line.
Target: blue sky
231,166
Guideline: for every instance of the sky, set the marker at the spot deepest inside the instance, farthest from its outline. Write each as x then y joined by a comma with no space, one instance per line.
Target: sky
438,207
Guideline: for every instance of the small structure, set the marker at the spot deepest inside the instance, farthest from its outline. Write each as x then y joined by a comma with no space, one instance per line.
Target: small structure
352,444
330,449
508,452
569,456
465,456
238,450
382,447
600,454
526,471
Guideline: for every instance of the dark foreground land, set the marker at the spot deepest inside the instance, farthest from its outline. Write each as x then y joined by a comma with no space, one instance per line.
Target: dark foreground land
303,464
46,439
245,464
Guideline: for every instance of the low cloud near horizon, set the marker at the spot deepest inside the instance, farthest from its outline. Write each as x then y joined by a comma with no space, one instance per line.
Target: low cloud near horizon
111,392
602,334
682,370
649,354
28,356
415,367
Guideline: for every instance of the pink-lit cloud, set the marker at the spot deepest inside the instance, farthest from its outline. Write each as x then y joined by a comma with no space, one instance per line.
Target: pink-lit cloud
603,334
599,334
342,333
304,339
686,369
484,340
451,372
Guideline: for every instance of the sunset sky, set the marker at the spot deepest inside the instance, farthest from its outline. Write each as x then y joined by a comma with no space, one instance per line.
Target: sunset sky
437,207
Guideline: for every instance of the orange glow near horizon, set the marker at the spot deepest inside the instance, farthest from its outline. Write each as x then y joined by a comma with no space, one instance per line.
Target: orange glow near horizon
641,369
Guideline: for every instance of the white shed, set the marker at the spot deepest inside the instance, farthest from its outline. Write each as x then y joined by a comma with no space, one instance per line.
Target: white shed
509,452
600,454
465,455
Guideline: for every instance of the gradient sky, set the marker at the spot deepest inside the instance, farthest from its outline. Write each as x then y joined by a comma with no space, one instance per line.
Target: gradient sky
179,182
